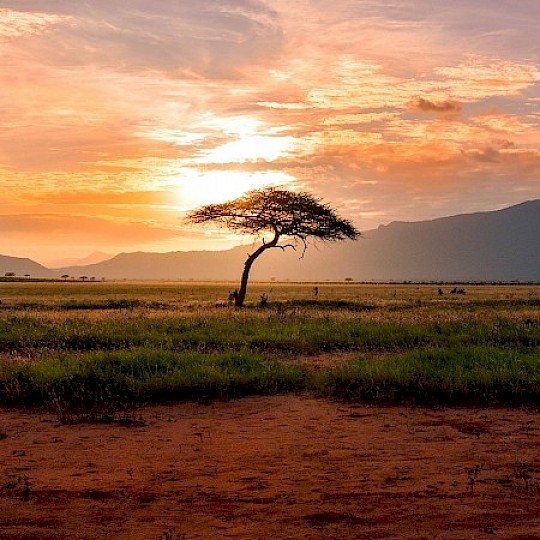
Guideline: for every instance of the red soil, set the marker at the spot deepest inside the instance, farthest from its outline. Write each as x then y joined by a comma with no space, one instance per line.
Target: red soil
273,467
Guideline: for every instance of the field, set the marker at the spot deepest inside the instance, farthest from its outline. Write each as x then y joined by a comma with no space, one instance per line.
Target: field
358,401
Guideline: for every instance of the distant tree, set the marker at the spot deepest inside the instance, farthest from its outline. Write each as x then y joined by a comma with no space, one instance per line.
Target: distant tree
9,274
83,278
65,276
26,275
282,213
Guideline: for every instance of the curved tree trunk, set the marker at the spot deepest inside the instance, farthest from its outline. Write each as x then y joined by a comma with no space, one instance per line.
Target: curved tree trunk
241,296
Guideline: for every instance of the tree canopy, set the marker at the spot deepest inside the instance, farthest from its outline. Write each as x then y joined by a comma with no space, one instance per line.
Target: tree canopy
281,212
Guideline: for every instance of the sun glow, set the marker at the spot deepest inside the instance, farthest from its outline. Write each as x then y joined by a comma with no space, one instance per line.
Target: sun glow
198,188
249,148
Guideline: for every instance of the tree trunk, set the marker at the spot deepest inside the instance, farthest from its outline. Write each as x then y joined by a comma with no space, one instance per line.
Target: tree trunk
241,296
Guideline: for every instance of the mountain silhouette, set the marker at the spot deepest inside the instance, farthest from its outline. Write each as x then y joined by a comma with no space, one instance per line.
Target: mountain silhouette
502,245
21,267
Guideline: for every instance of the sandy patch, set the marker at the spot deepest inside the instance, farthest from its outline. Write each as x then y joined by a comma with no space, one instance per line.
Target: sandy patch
273,467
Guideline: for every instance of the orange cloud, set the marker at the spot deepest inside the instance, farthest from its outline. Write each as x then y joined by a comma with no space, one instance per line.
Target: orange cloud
480,78
504,123
445,108
16,24
131,198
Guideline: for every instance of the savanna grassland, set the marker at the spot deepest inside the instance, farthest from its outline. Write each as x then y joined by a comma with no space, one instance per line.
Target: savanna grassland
82,346
367,411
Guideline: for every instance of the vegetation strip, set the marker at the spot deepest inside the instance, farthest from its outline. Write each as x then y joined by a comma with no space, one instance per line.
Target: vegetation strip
483,375
106,348
274,334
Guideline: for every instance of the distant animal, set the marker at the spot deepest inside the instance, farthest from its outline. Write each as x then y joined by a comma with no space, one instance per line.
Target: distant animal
455,290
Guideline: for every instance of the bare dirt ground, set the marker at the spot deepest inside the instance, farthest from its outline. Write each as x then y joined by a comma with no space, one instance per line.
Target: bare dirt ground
273,467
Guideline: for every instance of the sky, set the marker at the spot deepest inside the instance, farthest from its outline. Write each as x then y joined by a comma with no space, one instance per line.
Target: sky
117,117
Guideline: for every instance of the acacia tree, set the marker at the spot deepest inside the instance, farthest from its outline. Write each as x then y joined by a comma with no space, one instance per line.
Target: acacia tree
284,214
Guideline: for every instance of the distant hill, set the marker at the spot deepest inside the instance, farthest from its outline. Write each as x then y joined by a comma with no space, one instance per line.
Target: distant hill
22,267
197,265
503,245
93,258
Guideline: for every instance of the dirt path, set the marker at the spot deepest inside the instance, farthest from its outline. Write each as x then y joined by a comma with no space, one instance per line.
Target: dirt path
273,467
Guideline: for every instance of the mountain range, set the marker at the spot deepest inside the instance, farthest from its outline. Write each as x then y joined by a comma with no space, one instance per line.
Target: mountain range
502,245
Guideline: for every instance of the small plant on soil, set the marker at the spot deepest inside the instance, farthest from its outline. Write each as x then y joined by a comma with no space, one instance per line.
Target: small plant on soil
26,489
472,475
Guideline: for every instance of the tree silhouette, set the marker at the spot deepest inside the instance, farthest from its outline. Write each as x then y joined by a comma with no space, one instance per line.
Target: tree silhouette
280,212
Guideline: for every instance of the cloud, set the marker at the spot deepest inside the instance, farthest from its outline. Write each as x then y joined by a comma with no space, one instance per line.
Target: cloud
505,152
16,24
358,118
488,154
348,85
402,32
67,228
130,198
215,39
503,123
445,108
56,119
482,77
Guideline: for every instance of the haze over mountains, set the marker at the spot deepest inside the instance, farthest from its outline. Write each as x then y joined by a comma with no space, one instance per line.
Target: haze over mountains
93,258
502,245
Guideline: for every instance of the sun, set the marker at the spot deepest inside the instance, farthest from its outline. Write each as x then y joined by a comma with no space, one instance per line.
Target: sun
222,172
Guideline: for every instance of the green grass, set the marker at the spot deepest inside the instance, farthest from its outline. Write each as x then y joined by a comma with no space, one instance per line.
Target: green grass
479,375
125,378
271,332
86,346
